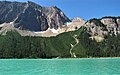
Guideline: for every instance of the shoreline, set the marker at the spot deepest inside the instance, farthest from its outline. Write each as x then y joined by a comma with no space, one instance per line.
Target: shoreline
60,58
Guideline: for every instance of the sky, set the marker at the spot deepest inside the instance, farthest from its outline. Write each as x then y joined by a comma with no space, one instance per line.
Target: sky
85,9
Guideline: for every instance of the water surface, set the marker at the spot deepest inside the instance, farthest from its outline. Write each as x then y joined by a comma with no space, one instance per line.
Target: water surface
109,66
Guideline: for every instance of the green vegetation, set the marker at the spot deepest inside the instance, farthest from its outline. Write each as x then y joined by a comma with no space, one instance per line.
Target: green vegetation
13,45
110,47
97,22
110,17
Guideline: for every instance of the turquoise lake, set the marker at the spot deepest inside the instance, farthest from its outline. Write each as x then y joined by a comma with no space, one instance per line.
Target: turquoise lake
96,66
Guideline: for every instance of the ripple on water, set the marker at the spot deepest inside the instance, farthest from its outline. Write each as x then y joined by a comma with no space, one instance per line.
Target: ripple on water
60,67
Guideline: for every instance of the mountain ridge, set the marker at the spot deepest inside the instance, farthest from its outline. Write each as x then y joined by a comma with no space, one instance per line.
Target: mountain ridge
45,32
31,16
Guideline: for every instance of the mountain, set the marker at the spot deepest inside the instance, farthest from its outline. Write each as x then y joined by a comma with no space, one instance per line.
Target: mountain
28,30
31,16
72,44
103,27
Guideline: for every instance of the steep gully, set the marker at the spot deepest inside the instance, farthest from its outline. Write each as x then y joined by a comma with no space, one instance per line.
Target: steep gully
72,46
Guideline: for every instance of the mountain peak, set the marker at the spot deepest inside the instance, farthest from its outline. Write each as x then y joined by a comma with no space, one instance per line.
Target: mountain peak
33,4
31,16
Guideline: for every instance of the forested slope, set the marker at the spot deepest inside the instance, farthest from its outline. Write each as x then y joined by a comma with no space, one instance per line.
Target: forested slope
13,45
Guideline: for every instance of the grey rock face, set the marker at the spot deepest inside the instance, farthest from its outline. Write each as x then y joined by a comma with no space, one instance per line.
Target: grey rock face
57,18
31,16
104,26
10,10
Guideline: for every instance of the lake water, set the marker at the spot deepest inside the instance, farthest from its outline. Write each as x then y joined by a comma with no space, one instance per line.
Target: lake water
109,66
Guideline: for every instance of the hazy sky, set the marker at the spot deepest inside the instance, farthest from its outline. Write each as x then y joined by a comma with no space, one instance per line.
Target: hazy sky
83,8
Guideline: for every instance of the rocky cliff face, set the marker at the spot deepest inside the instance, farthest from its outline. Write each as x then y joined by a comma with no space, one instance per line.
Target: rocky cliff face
99,28
31,16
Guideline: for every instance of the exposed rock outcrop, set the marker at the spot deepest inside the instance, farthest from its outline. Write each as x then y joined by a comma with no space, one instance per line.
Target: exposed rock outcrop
103,27
36,20
31,16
